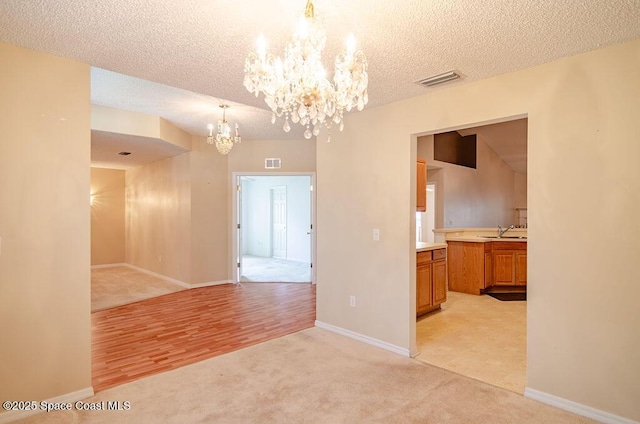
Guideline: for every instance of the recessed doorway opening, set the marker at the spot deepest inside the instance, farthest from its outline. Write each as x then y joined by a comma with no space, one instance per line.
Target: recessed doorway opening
475,334
274,237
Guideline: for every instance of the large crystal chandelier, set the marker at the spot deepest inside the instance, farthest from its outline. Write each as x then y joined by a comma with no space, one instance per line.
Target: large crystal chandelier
297,88
223,139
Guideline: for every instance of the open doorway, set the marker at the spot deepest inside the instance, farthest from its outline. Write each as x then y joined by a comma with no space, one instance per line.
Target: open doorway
274,235
478,335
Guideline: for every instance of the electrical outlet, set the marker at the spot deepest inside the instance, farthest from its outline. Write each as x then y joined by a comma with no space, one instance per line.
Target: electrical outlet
376,234
352,301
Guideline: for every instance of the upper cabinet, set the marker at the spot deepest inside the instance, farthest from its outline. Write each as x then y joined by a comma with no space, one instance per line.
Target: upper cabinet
421,185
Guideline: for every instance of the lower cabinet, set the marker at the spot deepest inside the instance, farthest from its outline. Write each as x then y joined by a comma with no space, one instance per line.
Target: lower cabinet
475,267
431,280
509,264
439,273
467,270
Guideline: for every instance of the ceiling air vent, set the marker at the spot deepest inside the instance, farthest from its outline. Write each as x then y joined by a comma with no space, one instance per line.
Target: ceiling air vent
272,163
439,79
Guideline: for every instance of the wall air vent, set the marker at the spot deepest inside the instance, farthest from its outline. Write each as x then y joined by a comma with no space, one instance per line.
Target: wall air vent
272,163
439,79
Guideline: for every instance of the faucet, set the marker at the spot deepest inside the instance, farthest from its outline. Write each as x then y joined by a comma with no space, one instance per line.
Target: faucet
501,230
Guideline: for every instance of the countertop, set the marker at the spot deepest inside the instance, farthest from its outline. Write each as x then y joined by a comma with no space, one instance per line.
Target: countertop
483,239
480,235
425,247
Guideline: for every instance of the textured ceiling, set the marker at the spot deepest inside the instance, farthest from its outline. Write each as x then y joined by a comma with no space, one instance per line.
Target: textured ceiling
200,46
187,110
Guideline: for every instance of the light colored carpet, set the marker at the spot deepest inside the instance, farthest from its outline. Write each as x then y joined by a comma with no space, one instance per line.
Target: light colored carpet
273,270
115,286
477,336
313,376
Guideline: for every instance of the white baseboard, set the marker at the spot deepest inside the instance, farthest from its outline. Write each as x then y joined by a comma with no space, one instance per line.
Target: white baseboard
211,283
165,278
414,352
11,416
160,276
577,408
364,339
107,266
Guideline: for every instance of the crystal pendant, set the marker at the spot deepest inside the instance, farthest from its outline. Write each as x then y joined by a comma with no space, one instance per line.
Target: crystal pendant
297,86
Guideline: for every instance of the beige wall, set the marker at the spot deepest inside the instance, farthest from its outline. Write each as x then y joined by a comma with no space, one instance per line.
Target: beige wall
210,213
107,216
104,118
179,219
44,225
583,113
173,134
158,217
520,190
473,198
109,119
296,155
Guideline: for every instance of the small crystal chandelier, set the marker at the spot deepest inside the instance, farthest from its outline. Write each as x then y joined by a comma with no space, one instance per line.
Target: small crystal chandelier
223,139
297,86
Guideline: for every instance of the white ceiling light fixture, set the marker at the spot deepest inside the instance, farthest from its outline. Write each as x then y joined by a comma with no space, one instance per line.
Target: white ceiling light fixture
223,139
297,86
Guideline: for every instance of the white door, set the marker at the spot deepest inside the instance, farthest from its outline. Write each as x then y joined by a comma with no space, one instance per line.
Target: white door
279,222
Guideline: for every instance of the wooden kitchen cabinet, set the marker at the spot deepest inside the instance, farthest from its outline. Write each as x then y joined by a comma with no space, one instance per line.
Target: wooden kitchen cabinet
466,266
521,269
439,281
431,280
476,267
509,264
424,287
421,185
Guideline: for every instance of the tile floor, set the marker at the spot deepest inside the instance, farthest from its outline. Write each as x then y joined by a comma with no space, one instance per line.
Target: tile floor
479,337
269,270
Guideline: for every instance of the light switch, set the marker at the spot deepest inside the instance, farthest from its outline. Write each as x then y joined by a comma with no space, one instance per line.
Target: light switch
376,234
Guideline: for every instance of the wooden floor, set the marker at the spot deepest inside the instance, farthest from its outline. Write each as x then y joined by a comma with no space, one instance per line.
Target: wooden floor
159,334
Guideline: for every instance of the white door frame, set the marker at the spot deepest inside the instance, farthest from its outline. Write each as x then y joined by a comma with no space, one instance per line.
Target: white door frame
233,231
